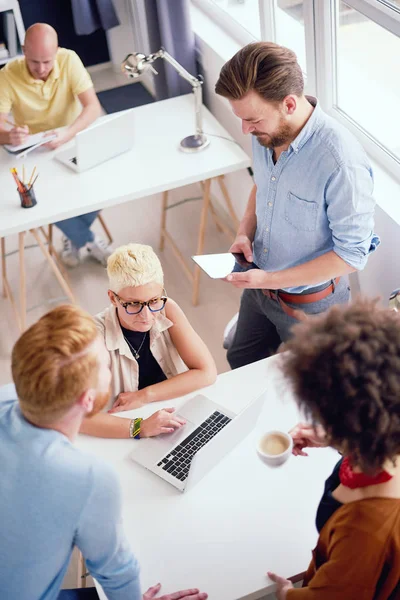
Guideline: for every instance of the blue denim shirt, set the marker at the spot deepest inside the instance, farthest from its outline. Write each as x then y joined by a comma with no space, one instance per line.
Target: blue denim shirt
316,198
54,497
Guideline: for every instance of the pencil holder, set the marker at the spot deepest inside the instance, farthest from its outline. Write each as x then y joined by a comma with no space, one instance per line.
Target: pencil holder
28,198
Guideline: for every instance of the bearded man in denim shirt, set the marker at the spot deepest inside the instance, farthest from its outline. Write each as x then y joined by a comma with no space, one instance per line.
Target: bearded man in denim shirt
310,216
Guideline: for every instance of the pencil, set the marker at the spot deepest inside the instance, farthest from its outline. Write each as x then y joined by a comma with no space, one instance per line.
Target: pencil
23,174
11,123
33,182
33,173
21,188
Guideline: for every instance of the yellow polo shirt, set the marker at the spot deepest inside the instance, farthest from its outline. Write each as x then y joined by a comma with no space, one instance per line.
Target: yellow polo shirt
44,105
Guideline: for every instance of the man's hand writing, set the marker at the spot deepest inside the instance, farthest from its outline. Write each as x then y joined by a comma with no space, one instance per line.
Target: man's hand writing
19,135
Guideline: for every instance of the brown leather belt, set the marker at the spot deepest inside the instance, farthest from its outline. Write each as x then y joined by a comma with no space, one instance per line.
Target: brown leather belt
283,297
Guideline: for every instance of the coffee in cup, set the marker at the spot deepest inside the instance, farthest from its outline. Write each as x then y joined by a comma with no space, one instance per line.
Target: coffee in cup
275,447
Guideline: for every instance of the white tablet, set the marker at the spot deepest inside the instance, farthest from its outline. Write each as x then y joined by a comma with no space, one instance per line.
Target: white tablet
216,266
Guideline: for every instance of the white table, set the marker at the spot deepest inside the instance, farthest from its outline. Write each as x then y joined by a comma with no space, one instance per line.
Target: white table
242,519
155,164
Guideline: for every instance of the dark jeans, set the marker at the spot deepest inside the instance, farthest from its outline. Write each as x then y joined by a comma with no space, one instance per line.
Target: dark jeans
263,325
79,594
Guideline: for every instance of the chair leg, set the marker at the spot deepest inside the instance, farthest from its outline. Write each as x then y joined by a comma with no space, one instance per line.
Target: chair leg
106,230
82,571
50,238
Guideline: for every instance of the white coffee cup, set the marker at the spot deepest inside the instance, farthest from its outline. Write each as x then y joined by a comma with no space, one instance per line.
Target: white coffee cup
275,447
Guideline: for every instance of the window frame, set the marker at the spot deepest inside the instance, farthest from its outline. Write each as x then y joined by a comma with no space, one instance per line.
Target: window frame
327,17
321,19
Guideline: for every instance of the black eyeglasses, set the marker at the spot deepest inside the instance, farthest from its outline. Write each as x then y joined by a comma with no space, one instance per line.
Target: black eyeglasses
136,306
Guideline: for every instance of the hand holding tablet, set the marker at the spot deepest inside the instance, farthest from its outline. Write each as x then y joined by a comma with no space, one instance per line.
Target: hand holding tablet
219,266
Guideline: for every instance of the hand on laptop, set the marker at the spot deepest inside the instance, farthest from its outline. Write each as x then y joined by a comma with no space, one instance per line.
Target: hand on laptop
163,421
192,594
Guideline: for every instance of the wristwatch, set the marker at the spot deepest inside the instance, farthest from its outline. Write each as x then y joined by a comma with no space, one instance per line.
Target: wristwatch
134,428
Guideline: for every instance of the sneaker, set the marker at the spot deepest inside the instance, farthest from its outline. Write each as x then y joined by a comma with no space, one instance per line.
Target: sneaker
99,250
70,254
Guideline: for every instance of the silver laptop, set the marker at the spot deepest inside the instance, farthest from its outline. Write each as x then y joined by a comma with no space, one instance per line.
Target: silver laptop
211,431
106,138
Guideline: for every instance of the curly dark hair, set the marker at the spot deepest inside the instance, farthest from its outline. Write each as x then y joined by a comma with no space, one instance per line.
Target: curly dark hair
345,369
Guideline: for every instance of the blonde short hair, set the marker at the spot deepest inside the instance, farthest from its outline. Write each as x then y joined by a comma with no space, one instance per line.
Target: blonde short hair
52,363
133,265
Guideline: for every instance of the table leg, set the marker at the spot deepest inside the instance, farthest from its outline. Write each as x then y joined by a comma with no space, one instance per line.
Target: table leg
53,265
163,220
22,280
3,266
228,201
53,252
200,240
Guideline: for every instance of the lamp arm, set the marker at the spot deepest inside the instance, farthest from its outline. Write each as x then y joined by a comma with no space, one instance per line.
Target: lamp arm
194,81
182,72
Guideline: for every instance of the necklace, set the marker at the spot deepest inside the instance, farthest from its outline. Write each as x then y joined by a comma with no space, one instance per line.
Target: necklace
353,480
135,353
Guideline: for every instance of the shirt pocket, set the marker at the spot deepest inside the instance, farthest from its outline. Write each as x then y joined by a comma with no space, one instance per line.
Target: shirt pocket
300,213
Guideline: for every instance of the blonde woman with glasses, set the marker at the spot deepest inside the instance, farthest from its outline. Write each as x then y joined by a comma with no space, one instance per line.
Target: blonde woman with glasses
155,354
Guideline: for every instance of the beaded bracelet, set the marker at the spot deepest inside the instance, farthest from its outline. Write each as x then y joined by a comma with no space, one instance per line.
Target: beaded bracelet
134,429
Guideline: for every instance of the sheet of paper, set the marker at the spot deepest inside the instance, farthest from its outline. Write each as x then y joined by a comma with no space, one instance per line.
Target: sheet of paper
37,139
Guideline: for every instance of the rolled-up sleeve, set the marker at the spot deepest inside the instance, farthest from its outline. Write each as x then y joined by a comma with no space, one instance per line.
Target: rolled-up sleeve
350,209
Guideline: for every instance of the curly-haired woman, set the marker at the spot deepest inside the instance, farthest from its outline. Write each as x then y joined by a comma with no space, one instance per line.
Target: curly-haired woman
345,371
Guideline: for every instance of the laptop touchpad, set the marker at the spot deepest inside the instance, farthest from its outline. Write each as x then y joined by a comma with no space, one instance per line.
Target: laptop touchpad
175,438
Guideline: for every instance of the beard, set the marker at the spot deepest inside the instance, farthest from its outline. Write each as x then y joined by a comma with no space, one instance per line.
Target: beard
283,136
100,402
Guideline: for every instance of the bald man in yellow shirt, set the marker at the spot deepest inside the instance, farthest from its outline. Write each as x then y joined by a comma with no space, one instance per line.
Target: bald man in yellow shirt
49,89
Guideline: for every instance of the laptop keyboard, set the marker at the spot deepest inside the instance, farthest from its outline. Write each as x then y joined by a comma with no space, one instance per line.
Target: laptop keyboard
177,462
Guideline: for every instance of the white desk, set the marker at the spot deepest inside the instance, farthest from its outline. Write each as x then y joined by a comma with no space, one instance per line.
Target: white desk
155,164
241,520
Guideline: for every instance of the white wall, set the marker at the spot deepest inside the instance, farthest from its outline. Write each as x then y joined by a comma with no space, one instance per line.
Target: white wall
130,36
121,40
240,183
